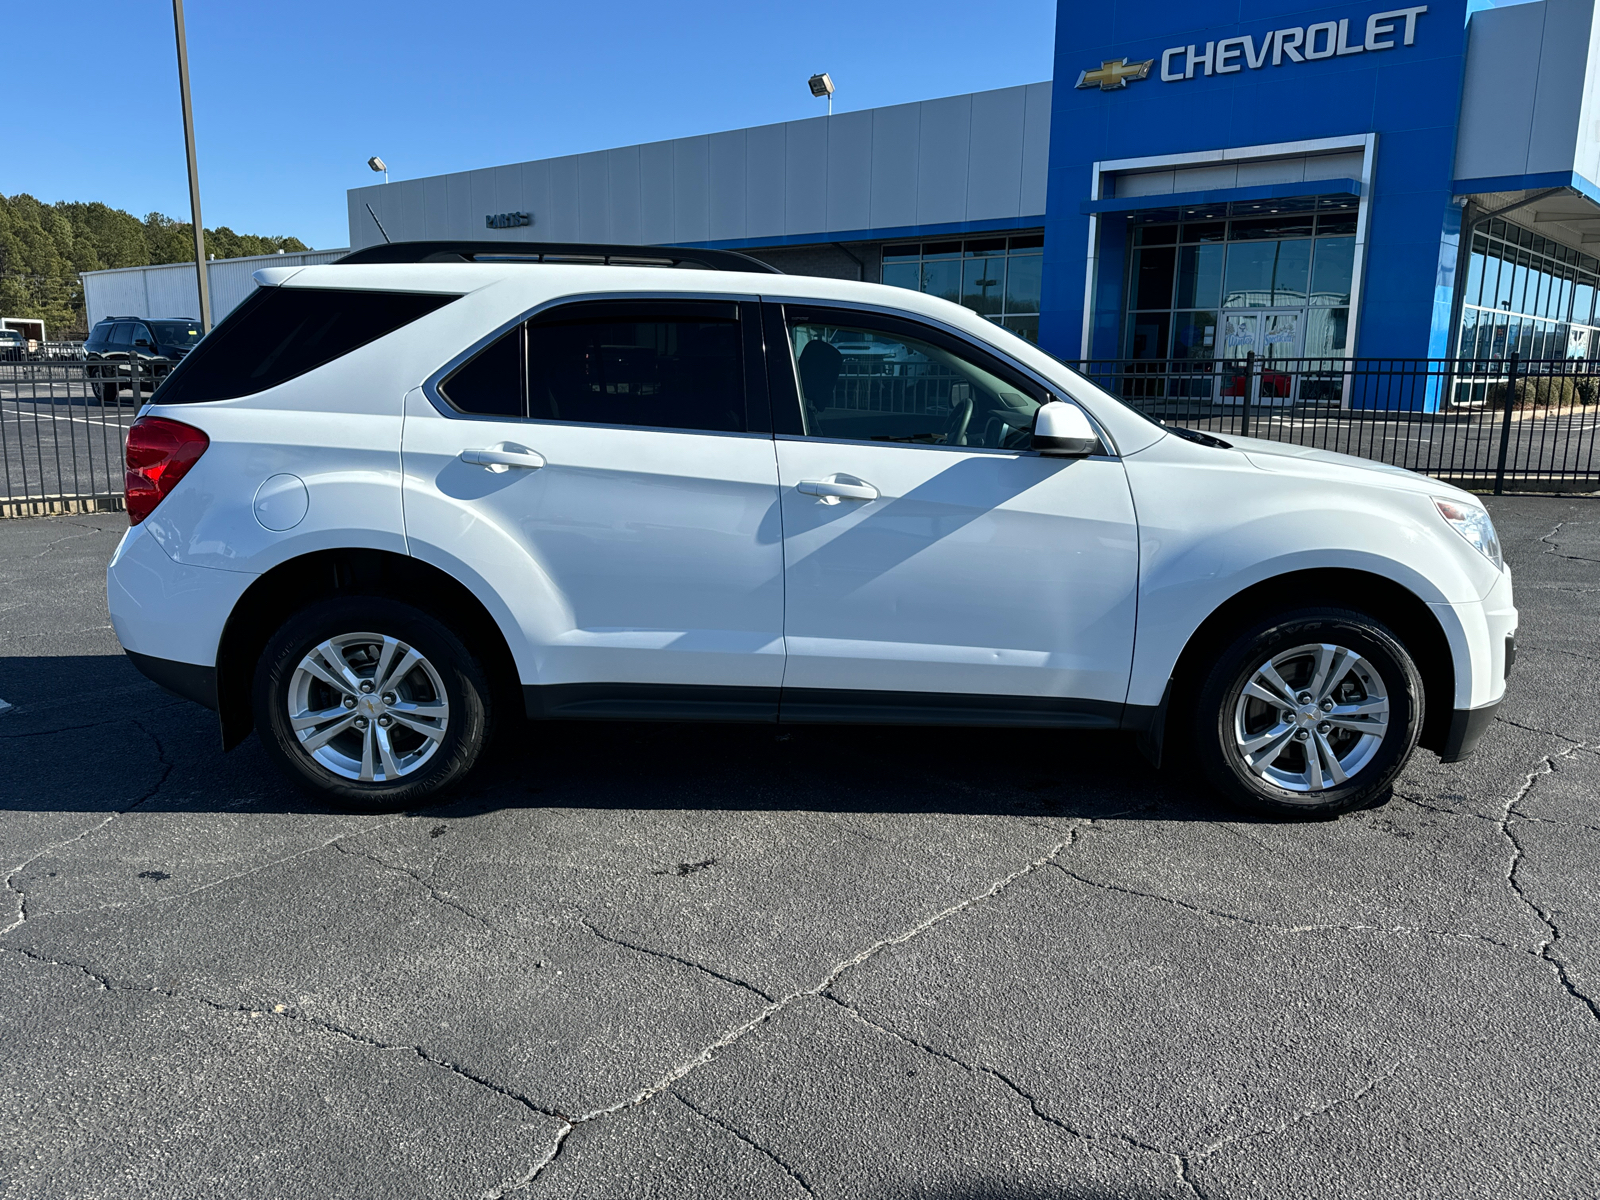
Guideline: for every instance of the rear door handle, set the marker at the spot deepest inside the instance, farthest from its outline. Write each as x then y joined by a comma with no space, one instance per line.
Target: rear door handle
834,490
503,457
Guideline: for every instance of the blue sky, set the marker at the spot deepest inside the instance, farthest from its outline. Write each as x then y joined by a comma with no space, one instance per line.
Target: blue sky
292,97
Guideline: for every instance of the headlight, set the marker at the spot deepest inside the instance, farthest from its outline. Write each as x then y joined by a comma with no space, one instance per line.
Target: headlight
1472,523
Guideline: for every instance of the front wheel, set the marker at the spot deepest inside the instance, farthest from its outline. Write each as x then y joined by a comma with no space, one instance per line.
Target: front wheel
370,702
1309,713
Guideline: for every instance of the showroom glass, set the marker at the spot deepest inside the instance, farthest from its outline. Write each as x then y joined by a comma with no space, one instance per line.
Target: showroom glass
998,277
657,370
864,385
1527,294
1186,274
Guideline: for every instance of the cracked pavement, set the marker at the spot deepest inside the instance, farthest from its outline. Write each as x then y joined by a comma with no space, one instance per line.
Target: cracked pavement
683,961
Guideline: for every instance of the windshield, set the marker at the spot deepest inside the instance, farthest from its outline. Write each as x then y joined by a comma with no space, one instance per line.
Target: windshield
176,333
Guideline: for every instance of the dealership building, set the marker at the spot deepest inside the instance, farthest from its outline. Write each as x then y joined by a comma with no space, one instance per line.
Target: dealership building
1343,181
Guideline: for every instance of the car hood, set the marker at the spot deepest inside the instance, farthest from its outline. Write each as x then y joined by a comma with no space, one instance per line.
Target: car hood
1308,462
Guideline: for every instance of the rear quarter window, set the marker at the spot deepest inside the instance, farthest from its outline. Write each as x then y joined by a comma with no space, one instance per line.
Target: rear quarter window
280,333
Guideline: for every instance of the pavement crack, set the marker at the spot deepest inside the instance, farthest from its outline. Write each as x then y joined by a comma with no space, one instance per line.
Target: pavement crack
110,984
670,957
1553,547
1534,729
791,1172
732,1036
166,765
1327,927
1121,1140
533,1172
426,884
1552,932
1193,1157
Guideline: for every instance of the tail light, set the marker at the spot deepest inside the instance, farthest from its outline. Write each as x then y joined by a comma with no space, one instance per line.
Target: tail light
160,452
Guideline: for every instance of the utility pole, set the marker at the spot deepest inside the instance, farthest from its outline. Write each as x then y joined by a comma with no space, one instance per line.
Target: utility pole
194,172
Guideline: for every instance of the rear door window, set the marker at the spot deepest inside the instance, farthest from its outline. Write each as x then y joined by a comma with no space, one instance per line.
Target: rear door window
662,364
668,364
280,333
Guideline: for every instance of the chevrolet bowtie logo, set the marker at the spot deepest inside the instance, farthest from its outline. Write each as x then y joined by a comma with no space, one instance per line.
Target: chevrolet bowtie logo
1115,73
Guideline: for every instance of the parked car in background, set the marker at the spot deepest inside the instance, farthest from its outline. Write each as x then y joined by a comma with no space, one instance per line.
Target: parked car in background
394,501
155,344
13,346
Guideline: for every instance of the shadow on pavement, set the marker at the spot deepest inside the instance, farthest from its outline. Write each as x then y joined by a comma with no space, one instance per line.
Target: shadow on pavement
91,734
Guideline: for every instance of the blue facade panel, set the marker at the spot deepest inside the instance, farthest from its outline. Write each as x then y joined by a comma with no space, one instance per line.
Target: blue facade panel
1408,96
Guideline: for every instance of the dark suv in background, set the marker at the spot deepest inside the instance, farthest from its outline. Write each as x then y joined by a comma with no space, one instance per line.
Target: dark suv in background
155,343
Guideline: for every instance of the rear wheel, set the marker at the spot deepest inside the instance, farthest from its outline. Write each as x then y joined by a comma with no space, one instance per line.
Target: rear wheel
108,393
371,702
1309,713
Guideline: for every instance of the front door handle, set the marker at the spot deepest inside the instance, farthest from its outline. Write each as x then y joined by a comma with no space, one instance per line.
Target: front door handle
503,457
834,489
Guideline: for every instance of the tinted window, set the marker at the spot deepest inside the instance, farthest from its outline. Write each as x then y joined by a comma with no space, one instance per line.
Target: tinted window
176,333
867,385
279,333
100,335
670,365
121,334
490,383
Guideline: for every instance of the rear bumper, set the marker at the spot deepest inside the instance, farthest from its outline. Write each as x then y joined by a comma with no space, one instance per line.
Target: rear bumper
1467,727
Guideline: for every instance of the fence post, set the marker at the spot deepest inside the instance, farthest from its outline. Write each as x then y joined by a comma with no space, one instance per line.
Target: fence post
1249,380
1505,425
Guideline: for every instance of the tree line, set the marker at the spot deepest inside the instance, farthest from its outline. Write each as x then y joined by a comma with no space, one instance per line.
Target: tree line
43,247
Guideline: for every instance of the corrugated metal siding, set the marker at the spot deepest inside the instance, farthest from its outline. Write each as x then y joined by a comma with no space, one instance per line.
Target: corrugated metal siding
978,157
170,290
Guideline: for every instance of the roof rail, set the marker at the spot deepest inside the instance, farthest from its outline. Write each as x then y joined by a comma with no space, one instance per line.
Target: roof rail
596,253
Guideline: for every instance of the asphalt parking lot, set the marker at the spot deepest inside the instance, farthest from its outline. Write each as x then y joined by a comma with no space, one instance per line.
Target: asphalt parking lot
682,961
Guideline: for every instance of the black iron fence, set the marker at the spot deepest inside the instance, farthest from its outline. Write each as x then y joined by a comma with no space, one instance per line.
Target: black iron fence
1502,425
63,424
1495,425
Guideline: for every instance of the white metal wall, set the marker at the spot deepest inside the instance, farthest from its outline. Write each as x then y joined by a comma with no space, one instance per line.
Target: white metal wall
982,156
170,290
1531,97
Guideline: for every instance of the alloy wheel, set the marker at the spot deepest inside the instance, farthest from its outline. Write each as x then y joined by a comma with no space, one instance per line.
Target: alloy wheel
368,707
1311,717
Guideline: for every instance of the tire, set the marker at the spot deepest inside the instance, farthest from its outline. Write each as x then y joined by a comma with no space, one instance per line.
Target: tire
1318,761
108,394
430,746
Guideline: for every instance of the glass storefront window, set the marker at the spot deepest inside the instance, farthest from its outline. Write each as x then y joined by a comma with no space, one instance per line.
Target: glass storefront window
1194,335
1332,269
1000,278
1199,276
1190,272
1024,281
1249,275
983,280
1152,277
1147,334
1526,294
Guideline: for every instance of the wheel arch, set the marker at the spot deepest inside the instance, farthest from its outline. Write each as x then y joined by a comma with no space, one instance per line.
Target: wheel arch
1402,610
299,582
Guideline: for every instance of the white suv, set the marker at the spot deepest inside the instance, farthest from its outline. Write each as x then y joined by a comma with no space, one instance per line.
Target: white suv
395,500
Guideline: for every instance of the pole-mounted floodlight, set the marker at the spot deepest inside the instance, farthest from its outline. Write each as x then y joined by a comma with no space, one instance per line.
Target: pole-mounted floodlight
377,164
822,85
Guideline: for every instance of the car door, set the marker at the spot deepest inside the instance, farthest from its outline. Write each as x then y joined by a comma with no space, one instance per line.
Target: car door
605,471
935,567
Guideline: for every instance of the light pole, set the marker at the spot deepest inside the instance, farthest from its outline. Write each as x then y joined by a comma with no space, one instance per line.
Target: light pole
377,164
822,85
194,172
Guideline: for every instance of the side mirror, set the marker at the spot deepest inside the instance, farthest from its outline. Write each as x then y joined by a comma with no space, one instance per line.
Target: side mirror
1064,430
145,342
